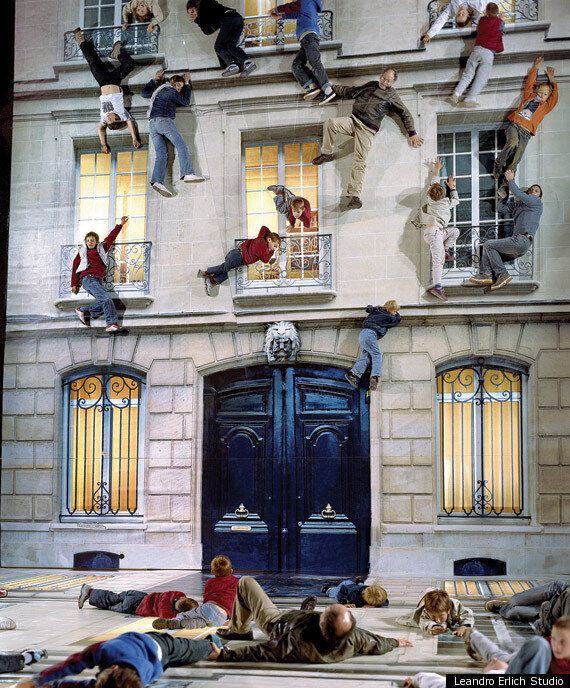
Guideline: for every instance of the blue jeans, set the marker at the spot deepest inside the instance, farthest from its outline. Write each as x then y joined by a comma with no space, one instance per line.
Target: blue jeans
335,589
163,129
220,272
206,614
104,303
525,606
533,657
369,352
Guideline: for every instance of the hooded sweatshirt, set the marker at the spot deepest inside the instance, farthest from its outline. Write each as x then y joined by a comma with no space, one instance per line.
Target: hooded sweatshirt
306,12
380,320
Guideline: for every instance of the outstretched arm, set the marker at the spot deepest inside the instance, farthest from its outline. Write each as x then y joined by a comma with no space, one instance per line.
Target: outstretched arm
438,24
289,10
408,121
527,199
261,652
134,134
553,97
103,138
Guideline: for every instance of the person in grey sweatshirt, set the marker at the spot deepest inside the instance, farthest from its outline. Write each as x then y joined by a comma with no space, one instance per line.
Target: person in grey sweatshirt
433,217
526,211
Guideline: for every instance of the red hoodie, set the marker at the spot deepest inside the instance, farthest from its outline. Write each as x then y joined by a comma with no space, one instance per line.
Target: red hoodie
160,604
221,591
558,666
305,215
253,250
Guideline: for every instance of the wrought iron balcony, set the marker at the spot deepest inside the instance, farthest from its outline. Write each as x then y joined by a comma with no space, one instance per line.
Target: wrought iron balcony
512,11
136,39
128,269
304,263
264,31
467,255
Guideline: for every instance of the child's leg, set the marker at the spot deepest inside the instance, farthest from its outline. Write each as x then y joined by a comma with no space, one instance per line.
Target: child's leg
523,139
11,662
126,64
450,236
433,236
468,73
220,272
534,657
180,651
363,138
335,589
371,346
105,599
304,77
169,130
160,151
486,58
104,301
310,45
511,143
207,614
487,648
359,368
226,42
98,68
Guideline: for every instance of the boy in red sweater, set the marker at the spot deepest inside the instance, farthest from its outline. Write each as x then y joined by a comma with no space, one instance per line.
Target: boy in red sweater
261,248
293,207
89,269
478,69
536,103
219,595
166,604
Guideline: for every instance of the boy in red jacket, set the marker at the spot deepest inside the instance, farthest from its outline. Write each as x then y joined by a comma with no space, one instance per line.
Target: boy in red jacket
219,595
89,269
165,604
293,207
261,248
478,69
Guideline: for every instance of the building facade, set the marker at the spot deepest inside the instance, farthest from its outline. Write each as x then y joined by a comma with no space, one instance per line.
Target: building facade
180,439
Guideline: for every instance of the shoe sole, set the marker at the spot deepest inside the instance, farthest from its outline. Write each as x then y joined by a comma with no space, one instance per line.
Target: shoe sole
248,70
351,206
328,99
352,383
441,297
504,283
480,283
193,181
312,95
166,193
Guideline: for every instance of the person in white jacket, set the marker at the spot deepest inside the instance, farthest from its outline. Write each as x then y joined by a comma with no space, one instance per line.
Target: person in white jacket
464,12
432,219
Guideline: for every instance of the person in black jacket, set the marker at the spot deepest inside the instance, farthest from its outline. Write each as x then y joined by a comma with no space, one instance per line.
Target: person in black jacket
210,16
376,325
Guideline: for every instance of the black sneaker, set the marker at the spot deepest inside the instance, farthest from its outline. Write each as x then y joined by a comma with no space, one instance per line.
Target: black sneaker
354,203
323,157
226,634
326,98
325,589
309,604
502,280
353,380
359,580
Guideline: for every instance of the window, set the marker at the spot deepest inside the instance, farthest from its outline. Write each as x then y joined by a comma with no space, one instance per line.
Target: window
101,13
480,411
102,444
110,186
511,11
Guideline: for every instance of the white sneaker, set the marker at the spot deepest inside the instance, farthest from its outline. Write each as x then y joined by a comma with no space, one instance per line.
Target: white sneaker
453,99
162,190
7,624
114,327
81,315
193,178
248,67
312,94
470,104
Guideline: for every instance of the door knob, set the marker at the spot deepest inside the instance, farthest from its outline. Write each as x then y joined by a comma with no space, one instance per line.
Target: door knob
300,523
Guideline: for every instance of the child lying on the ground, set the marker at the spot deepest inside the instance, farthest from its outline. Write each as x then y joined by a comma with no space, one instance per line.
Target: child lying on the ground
11,662
166,604
437,613
356,594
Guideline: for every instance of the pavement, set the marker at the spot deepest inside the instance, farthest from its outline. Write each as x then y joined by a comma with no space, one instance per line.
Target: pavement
43,602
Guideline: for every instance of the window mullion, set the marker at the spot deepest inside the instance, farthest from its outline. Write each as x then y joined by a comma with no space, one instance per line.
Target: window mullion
113,190
475,186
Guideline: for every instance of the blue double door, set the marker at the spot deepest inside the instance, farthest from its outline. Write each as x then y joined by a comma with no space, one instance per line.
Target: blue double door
286,471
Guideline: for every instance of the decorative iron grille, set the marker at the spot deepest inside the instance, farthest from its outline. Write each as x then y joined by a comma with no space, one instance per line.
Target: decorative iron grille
136,39
467,257
480,416
102,428
262,30
512,11
304,261
128,268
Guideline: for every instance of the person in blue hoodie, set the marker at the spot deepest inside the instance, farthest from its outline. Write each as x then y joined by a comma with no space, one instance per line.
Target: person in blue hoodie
165,96
375,326
307,66
131,660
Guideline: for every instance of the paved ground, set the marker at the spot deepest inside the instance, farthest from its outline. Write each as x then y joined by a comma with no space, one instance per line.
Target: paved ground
43,604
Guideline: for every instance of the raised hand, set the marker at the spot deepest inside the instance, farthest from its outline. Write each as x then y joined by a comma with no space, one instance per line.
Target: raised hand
451,182
159,76
550,72
426,39
416,141
124,220
538,61
509,175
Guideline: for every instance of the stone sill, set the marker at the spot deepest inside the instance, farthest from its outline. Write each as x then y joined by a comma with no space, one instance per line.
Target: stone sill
80,65
517,27
416,528
156,527
267,297
97,525
512,289
290,48
129,299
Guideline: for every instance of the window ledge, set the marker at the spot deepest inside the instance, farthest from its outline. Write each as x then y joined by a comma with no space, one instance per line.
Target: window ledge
81,65
129,298
516,27
267,297
98,525
495,527
514,288
290,48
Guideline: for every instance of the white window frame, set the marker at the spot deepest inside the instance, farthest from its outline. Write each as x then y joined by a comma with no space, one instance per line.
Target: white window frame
118,13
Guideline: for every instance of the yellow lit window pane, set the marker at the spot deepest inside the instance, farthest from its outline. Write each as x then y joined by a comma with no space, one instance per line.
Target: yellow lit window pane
86,186
253,179
140,160
103,163
124,162
139,183
102,185
252,156
85,209
135,230
87,163
310,176
270,155
255,8
123,187
254,202
270,176
100,208
292,153
292,177
100,227
310,151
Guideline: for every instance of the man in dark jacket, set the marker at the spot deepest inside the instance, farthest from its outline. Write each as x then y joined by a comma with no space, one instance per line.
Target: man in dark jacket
165,96
372,102
296,636
375,326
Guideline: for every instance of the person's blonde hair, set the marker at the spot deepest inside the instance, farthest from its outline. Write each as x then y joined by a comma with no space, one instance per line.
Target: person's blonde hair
437,601
298,204
436,192
221,566
374,595
392,306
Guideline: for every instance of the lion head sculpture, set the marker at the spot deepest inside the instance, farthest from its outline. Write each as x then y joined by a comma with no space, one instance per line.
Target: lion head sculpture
282,342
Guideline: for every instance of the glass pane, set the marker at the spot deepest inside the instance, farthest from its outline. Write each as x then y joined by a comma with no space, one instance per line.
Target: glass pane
103,163
135,230
100,208
253,179
463,142
486,187
140,159
124,160
91,3
254,202
85,209
107,16
487,209
447,169
292,177
310,151
463,212
139,183
486,161
464,187
253,156
444,143
310,176
462,164
487,140
85,186
91,18
269,156
102,185
292,153
270,176
123,184
87,163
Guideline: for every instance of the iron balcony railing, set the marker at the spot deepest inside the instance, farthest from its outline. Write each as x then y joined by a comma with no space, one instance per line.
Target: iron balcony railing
128,268
304,262
467,256
262,31
136,39
512,11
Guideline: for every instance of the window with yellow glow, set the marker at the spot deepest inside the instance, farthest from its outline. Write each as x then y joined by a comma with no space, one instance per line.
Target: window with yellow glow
508,9
260,29
288,164
110,187
480,433
102,431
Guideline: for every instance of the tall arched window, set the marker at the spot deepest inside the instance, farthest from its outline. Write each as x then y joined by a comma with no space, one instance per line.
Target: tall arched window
102,444
480,407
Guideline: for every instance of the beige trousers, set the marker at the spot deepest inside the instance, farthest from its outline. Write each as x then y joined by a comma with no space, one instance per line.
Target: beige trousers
363,138
252,603
439,240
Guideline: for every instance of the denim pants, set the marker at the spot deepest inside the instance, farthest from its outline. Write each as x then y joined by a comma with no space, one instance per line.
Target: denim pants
477,70
123,602
206,614
307,66
10,662
226,44
368,352
515,145
220,272
163,129
533,657
335,589
525,606
106,75
495,251
104,303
